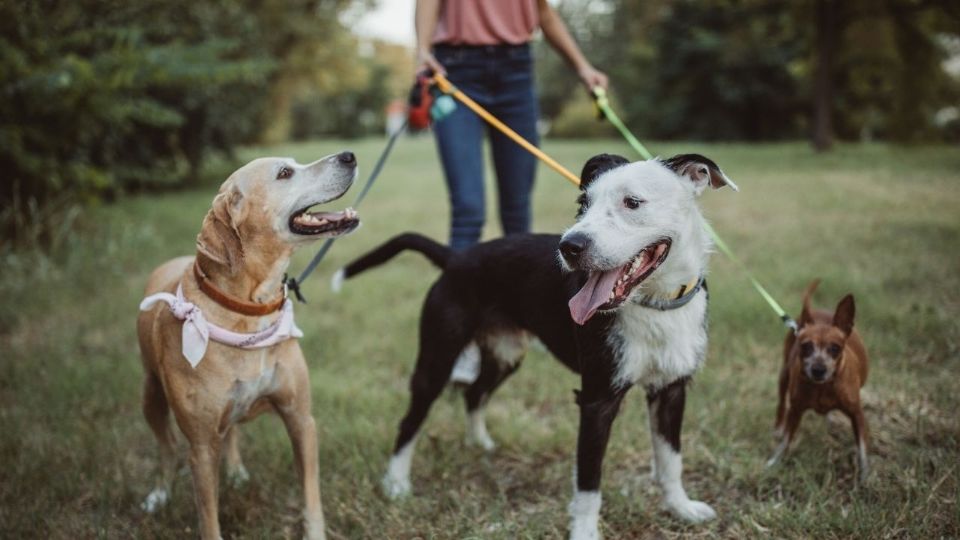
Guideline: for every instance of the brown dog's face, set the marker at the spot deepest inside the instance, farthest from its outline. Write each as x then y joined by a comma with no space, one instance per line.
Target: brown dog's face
820,346
279,195
267,206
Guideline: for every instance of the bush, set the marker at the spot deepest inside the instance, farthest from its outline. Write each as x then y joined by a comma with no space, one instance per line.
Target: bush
102,97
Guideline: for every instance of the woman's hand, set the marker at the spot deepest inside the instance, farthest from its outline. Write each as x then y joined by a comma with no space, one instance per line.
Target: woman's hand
427,62
593,77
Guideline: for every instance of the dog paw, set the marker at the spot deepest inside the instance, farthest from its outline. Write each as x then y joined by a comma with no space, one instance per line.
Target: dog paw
481,440
237,476
581,529
395,488
156,500
314,530
691,511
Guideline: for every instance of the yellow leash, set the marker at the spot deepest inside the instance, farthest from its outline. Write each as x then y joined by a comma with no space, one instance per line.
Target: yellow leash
447,87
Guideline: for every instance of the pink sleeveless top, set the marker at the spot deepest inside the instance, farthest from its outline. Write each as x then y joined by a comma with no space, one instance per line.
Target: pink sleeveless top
486,22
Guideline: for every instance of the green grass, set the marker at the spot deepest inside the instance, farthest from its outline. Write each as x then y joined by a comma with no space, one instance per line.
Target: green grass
880,221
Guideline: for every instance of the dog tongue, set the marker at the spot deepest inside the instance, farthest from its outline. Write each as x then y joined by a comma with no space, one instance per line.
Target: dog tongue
594,293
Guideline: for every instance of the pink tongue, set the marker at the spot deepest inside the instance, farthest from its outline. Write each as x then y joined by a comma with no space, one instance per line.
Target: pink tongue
594,293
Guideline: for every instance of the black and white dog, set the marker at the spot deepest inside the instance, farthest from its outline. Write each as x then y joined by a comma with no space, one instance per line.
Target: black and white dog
623,304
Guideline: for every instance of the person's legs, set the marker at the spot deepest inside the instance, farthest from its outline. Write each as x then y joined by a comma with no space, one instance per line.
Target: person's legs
459,139
460,143
516,105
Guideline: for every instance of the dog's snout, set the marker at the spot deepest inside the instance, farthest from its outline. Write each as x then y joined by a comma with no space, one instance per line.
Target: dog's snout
818,372
347,158
572,247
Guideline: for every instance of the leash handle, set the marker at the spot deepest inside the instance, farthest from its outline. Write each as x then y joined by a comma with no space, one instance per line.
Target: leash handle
447,87
294,284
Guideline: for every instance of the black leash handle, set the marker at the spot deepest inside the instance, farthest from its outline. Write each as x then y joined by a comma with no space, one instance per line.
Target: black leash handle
294,284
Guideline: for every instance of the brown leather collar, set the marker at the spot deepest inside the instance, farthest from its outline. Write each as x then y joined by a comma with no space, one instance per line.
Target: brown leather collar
233,304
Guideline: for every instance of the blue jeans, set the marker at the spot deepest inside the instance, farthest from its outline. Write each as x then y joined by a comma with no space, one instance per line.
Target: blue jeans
499,78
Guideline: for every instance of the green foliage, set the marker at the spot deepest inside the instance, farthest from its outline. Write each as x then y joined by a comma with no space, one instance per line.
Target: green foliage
743,69
347,112
102,97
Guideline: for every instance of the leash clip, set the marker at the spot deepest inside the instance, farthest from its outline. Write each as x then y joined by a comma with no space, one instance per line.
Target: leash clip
790,323
291,284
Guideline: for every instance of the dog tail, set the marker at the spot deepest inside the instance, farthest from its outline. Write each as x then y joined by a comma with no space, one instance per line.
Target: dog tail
805,315
436,252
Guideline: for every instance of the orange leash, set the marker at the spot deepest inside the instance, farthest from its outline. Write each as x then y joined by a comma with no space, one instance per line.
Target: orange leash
447,87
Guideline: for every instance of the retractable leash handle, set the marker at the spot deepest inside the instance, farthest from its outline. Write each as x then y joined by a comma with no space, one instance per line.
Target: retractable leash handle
603,105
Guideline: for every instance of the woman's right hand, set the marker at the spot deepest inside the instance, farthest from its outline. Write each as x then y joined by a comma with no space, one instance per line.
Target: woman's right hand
427,62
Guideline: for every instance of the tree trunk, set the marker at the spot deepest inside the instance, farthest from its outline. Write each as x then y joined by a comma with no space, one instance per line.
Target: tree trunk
277,116
826,44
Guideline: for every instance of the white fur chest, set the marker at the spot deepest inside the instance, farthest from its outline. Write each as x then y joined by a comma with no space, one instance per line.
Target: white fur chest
653,348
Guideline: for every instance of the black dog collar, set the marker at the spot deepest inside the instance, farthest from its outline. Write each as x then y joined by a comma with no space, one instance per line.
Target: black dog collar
684,296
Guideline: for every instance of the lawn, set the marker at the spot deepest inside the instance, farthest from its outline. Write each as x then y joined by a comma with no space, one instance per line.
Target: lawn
880,221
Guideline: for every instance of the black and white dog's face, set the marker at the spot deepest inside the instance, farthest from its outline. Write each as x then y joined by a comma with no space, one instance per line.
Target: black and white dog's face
631,218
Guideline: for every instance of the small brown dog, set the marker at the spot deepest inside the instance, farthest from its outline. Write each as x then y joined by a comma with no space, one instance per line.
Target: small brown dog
824,366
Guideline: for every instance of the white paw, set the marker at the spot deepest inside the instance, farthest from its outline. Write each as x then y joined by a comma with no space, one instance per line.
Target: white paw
482,440
313,530
691,511
584,529
155,500
395,488
237,476
336,282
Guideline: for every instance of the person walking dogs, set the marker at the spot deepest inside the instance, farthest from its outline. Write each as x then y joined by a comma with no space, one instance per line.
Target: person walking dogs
483,47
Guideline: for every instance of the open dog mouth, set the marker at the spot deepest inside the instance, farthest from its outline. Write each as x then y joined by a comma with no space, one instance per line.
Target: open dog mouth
608,289
307,223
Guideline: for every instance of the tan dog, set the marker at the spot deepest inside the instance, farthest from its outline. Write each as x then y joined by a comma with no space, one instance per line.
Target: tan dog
259,217
824,367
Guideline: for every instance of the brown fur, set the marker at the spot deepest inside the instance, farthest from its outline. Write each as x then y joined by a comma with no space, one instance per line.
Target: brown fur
244,255
845,374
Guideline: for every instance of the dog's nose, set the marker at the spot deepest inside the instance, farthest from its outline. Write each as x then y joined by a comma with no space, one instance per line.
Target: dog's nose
818,372
347,158
572,247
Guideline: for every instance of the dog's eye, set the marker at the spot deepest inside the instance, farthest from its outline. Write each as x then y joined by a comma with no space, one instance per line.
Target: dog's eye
834,350
284,173
583,203
806,348
632,202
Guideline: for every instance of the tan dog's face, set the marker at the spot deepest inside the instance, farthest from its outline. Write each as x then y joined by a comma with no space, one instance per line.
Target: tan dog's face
279,193
820,346
266,205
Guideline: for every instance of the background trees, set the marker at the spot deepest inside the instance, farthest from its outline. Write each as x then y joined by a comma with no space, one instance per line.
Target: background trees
769,69
102,97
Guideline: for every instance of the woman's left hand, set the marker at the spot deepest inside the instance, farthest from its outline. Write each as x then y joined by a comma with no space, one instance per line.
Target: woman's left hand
593,77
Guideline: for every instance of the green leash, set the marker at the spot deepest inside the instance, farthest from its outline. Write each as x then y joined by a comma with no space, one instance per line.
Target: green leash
603,103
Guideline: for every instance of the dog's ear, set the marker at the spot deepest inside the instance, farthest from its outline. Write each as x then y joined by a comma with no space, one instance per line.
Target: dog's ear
219,238
806,314
598,165
700,170
843,316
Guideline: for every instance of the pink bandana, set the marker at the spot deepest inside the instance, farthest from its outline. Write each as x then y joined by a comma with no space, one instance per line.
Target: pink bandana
197,332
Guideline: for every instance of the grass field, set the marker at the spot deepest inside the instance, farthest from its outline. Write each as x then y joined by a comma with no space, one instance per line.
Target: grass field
879,221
